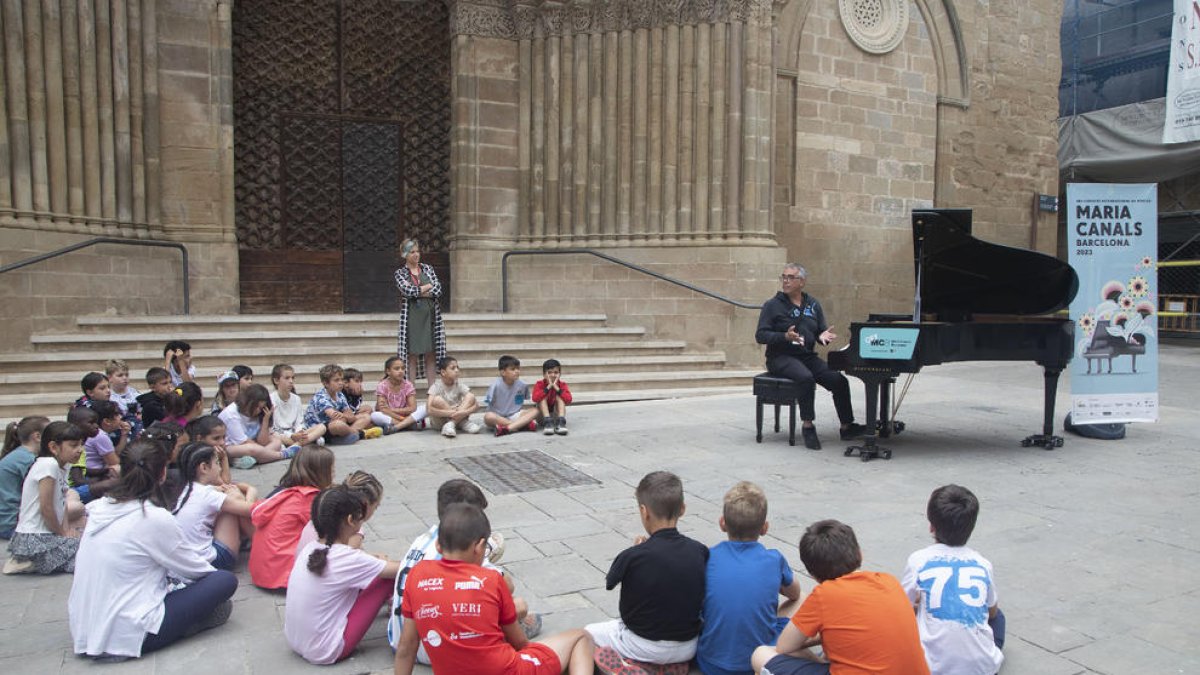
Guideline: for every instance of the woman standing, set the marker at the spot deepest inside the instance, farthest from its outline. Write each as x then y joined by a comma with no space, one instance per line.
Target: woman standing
422,332
122,604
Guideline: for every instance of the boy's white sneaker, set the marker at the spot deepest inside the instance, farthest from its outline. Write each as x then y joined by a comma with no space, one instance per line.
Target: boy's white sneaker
448,429
472,427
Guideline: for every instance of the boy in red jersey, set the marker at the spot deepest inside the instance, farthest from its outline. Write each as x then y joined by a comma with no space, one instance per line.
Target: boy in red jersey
464,613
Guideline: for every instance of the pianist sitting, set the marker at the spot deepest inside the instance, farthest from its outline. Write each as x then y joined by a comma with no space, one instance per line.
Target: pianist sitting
790,325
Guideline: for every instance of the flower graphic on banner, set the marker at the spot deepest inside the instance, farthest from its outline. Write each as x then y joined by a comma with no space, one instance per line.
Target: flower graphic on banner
1125,312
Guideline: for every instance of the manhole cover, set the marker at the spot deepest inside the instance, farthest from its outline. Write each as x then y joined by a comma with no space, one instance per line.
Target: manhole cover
523,471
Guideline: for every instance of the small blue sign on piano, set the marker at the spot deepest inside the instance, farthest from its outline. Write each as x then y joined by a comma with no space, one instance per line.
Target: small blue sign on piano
887,343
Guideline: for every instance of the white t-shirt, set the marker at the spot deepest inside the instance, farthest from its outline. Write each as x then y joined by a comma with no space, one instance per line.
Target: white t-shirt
126,399
286,416
453,394
314,618
197,517
30,521
176,378
238,427
309,535
955,588
127,554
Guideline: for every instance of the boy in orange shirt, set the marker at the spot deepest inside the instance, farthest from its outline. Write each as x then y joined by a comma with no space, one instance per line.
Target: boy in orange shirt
863,619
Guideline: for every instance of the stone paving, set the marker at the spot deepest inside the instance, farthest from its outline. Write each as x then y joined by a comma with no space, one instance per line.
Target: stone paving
1094,545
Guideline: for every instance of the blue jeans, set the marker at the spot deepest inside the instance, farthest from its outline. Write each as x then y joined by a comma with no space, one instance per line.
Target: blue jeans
190,605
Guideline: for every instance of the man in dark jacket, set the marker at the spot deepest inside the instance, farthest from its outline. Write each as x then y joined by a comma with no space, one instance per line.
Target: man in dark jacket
790,325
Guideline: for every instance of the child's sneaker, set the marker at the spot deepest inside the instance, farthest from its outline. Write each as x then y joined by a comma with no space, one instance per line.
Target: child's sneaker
420,425
373,432
532,426
531,625
321,441
501,429
244,462
448,429
290,451
560,426
495,548
390,429
472,427
548,426
14,566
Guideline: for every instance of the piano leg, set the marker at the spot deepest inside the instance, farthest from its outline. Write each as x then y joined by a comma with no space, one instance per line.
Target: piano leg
869,449
1047,439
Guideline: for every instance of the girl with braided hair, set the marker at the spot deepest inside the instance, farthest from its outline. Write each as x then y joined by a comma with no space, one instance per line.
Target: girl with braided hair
366,485
335,590
132,548
214,515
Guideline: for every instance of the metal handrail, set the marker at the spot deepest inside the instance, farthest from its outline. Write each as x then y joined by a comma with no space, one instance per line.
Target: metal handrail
623,263
187,306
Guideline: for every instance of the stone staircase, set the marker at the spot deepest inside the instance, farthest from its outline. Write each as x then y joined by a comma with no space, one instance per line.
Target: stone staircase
602,363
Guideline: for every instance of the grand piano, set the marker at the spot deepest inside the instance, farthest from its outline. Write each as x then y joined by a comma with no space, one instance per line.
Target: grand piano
975,301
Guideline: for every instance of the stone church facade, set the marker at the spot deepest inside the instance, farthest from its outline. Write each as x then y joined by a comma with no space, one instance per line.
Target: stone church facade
292,145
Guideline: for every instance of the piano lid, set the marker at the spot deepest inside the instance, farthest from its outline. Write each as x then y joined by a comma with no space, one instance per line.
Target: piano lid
961,275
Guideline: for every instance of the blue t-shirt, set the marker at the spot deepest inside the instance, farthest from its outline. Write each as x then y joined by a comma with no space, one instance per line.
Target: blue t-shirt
13,468
741,599
504,399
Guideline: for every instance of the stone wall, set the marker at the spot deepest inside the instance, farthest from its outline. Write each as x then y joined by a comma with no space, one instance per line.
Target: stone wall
116,123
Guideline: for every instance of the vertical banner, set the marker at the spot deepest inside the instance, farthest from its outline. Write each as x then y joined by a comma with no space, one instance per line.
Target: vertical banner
1182,122
1113,234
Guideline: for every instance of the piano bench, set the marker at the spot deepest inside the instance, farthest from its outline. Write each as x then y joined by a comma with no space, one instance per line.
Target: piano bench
776,391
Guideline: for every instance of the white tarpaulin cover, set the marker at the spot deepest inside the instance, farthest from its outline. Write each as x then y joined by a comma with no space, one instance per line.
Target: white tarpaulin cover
1182,122
1123,145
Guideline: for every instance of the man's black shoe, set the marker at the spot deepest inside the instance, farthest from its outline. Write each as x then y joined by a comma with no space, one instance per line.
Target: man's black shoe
810,438
855,430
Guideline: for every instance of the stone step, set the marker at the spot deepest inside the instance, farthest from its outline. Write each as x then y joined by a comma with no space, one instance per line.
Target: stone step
212,361
383,338
307,371
187,324
589,387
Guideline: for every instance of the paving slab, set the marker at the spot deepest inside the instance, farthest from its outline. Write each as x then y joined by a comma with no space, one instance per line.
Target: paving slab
1094,544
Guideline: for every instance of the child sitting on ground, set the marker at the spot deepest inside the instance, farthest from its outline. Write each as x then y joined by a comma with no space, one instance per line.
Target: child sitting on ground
662,585
863,620
742,587
248,430
51,517
287,411
396,400
962,628
371,490
213,515
152,403
451,401
89,483
353,390
334,590
552,397
504,399
183,404
124,395
455,491
280,518
103,456
177,360
228,386
330,407
95,387
456,596
22,442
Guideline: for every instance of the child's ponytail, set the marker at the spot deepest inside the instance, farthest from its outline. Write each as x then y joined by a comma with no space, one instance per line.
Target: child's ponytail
179,401
193,455
329,511
21,433
142,468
